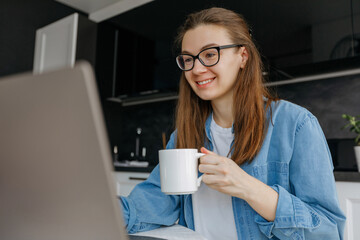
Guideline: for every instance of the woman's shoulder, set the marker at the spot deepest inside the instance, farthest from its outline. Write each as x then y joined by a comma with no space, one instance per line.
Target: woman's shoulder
284,111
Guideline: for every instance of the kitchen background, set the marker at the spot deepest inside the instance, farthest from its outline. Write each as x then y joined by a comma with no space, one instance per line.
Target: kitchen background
133,57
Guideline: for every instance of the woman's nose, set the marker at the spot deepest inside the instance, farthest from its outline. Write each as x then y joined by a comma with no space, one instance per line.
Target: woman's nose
199,67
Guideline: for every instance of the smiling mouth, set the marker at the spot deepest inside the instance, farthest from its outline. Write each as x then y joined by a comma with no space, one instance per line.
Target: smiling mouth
205,81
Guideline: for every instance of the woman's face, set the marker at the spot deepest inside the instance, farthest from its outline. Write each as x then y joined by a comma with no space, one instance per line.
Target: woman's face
216,82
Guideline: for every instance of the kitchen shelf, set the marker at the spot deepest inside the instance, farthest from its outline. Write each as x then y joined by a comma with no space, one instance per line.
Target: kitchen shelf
314,77
145,97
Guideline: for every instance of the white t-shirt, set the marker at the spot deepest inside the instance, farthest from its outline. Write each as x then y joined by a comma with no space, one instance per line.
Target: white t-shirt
213,211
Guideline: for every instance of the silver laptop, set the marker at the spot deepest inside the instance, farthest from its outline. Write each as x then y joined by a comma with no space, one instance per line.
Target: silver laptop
55,162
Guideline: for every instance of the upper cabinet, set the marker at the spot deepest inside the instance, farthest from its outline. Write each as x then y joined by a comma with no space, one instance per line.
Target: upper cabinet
61,43
55,45
289,34
303,37
125,62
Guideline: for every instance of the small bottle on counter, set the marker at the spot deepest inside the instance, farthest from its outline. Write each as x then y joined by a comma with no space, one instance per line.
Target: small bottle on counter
143,154
115,154
137,143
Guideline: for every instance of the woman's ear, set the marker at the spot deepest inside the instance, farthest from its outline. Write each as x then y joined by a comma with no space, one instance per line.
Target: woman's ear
244,56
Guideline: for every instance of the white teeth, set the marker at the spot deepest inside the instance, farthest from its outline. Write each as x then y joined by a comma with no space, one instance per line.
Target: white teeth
204,82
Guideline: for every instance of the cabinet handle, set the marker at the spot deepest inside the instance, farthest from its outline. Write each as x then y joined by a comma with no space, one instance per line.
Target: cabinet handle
137,178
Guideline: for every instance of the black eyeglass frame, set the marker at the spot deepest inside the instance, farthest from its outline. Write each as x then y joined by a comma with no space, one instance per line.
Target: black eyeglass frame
218,48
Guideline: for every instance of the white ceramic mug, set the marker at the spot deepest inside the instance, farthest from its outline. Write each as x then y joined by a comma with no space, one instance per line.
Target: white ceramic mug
179,171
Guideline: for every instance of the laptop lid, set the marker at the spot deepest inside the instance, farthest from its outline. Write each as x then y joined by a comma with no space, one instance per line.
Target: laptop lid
55,162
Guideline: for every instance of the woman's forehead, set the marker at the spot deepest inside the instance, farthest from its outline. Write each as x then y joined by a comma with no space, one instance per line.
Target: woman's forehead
203,36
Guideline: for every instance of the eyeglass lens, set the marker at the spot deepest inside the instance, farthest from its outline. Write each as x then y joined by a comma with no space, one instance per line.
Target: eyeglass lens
207,57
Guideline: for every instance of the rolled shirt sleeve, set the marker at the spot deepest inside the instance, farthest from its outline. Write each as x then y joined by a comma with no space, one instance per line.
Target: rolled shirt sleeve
311,209
146,207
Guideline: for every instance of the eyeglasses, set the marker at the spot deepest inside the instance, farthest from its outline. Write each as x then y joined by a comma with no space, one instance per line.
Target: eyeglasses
208,57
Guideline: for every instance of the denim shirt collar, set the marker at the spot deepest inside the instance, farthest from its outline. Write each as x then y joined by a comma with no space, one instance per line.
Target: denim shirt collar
207,126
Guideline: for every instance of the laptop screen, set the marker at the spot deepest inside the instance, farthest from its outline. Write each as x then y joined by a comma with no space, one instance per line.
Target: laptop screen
55,173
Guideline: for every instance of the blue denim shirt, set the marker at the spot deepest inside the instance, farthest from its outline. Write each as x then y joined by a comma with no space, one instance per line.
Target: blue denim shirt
294,160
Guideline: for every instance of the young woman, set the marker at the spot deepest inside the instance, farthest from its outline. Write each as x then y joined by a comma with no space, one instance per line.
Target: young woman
267,172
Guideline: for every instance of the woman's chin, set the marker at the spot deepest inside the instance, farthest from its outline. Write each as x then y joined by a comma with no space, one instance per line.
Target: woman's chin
207,94
205,97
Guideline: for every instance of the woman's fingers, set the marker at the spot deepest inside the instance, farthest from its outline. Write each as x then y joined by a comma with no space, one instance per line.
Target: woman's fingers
207,151
210,159
215,180
208,168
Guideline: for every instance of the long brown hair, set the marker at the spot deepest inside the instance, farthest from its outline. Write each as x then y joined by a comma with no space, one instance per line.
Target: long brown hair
251,98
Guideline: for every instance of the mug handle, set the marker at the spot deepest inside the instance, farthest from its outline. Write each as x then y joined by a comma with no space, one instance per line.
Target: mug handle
199,181
198,155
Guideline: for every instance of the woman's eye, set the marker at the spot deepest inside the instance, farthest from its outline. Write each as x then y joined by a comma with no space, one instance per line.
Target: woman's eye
188,60
210,55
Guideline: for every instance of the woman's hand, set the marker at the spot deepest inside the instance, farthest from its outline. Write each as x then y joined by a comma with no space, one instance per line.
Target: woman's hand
224,175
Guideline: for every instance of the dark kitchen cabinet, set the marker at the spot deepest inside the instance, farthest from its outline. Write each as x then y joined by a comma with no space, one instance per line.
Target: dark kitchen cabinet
125,61
291,35
299,38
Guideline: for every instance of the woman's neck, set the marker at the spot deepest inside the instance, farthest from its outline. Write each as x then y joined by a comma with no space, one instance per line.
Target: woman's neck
223,112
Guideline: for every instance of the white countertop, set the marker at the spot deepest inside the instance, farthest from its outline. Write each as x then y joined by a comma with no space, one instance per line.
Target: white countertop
175,232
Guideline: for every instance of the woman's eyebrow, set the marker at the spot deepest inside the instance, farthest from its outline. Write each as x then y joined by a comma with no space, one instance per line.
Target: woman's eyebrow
202,48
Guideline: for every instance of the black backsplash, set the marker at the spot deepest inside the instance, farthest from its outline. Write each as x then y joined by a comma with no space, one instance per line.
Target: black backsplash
152,118
327,99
